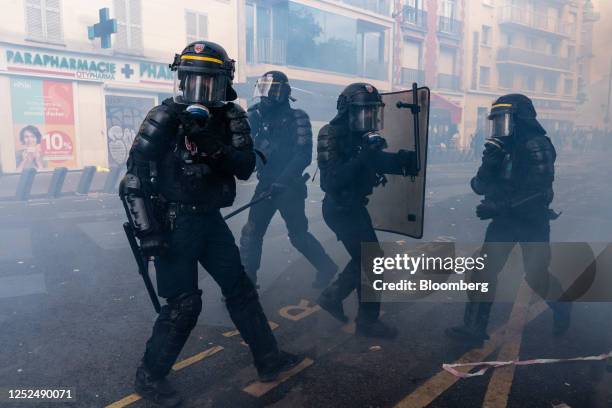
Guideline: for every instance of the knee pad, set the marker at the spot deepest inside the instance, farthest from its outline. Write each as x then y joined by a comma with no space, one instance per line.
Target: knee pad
183,310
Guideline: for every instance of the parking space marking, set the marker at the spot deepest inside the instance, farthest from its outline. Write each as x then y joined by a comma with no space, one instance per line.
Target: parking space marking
130,399
257,389
124,402
438,384
198,357
501,380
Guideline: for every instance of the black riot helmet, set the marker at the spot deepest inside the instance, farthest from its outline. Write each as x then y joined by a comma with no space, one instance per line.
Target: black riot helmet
513,114
203,74
273,85
363,106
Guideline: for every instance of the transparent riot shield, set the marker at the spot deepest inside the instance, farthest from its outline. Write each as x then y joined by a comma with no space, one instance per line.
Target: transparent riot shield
399,205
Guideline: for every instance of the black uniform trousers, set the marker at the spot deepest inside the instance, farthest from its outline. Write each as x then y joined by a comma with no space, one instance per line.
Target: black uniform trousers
352,225
206,239
291,205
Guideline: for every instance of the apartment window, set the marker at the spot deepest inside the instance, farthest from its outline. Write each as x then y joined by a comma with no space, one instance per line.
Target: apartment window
448,9
196,25
506,79
529,82
44,20
550,84
507,39
486,35
568,87
129,25
485,77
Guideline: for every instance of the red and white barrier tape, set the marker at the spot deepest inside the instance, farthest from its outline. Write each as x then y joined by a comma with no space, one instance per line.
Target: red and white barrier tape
486,365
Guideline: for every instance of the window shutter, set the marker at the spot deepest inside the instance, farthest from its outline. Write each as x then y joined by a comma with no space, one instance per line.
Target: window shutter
34,19
53,20
191,26
135,25
202,26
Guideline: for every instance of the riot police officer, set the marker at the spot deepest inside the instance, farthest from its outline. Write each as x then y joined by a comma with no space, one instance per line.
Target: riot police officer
352,163
284,136
515,178
181,170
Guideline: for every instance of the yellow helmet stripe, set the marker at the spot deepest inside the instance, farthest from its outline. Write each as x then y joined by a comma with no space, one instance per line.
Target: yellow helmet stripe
503,105
198,58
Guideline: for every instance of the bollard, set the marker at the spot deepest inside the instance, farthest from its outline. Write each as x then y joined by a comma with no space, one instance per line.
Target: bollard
111,180
57,182
87,176
24,187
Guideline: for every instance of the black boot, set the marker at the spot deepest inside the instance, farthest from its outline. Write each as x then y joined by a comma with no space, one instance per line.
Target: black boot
474,328
158,391
375,329
561,316
270,367
332,304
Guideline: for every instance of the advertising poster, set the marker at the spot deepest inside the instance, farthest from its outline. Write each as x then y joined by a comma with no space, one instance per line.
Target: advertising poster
43,123
124,114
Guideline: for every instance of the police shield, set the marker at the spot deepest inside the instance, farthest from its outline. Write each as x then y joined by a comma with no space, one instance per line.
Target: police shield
398,205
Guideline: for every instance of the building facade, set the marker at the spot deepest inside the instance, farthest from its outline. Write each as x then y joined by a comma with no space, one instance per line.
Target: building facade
70,102
322,46
471,52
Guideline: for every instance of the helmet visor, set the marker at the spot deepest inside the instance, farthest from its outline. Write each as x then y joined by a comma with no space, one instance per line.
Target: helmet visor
501,125
267,87
197,87
366,117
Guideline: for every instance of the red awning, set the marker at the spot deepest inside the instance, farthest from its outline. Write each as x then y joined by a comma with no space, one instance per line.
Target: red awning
440,102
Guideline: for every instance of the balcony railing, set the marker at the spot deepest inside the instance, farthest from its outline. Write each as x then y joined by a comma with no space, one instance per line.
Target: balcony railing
528,57
450,82
271,51
410,75
541,22
414,17
449,26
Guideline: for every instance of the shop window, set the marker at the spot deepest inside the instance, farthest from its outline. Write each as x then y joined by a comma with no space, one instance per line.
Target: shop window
129,26
196,26
44,20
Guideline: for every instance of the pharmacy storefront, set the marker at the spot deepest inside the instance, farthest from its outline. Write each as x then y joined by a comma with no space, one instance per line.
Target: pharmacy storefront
73,109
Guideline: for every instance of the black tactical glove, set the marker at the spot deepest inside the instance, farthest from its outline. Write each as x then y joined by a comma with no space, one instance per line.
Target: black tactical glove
153,245
375,142
494,152
408,161
210,146
488,209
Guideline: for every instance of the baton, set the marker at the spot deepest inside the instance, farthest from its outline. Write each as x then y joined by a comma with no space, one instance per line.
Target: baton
259,199
142,265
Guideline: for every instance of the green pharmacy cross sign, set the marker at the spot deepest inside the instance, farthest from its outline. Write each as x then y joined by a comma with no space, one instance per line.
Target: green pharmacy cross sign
103,29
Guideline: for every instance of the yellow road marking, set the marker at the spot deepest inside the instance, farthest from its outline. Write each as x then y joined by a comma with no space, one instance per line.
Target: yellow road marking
130,399
303,307
257,389
435,386
501,381
198,357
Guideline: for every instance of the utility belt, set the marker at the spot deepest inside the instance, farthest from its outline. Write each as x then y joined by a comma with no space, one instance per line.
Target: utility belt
175,209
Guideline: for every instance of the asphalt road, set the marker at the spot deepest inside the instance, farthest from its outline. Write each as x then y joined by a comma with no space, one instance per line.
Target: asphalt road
74,313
